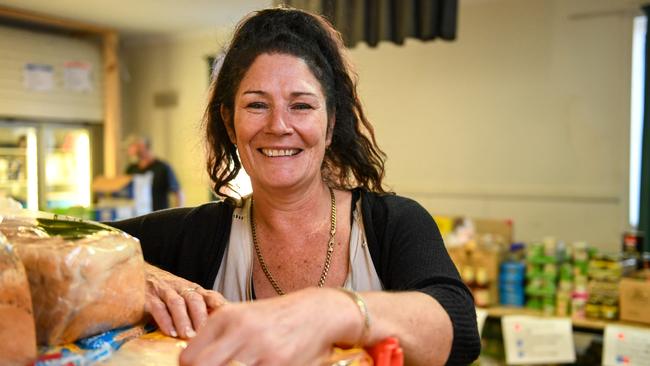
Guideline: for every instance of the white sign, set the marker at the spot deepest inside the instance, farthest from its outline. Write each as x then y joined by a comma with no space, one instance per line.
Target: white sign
625,345
534,340
77,76
481,315
38,77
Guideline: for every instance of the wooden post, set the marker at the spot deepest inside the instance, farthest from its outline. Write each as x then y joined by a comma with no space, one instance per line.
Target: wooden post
112,104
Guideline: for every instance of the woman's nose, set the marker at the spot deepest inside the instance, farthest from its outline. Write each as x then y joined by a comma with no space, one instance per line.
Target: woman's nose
277,123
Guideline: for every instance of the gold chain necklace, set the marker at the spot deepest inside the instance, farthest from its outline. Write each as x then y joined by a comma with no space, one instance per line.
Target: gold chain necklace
328,257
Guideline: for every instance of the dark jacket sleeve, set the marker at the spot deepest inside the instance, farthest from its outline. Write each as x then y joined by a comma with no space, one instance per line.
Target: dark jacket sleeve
172,181
410,255
188,242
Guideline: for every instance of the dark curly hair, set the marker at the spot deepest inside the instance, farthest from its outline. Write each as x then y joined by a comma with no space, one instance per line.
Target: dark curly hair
353,158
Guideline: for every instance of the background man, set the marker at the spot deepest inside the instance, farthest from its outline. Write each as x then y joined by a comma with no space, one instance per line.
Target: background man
164,179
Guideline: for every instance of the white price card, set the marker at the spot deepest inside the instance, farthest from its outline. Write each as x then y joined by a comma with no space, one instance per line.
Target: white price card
534,340
626,345
481,315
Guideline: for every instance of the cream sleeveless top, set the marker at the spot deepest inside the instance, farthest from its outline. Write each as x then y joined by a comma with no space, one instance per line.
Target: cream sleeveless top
234,279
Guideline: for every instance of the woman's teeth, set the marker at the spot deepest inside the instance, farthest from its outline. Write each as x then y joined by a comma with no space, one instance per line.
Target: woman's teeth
279,152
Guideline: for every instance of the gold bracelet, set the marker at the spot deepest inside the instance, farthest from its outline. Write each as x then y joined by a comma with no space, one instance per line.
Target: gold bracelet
363,309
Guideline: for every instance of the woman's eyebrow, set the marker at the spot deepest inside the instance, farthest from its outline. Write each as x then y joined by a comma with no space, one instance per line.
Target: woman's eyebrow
255,92
299,94
293,94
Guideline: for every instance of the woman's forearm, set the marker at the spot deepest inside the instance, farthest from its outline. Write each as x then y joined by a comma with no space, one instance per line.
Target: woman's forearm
417,320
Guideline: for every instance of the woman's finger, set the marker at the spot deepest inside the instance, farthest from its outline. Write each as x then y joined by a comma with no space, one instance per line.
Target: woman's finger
213,300
212,354
158,310
178,310
196,308
210,348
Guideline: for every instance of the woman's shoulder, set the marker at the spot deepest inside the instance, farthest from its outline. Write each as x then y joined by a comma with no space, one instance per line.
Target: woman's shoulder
211,210
387,212
215,210
390,203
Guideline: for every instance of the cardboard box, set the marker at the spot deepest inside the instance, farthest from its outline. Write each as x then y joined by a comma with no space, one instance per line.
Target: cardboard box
119,186
458,230
477,243
500,230
479,258
634,297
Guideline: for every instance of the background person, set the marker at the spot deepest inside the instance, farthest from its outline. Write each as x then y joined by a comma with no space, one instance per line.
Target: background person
285,107
164,180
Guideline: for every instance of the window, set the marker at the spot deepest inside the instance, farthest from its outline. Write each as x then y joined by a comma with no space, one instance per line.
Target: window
637,106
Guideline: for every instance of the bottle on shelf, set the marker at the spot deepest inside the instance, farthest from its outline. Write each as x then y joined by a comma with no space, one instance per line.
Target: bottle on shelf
467,274
633,248
512,276
482,288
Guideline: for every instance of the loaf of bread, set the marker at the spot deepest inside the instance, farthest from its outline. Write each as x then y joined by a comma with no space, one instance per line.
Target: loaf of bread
85,278
17,332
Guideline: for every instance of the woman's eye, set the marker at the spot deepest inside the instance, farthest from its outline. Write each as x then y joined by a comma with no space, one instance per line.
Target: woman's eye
301,106
256,105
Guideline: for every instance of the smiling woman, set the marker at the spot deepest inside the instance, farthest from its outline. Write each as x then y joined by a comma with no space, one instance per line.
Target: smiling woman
280,123
319,254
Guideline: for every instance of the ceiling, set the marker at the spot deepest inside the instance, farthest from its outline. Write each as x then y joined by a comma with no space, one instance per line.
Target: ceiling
145,17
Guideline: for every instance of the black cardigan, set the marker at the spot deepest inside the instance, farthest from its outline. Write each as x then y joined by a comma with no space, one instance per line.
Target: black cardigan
404,242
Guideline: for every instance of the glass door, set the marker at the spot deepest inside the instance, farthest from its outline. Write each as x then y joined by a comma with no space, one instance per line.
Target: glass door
67,170
18,163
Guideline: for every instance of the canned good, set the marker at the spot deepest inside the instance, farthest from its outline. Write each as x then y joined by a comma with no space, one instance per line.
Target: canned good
609,312
592,310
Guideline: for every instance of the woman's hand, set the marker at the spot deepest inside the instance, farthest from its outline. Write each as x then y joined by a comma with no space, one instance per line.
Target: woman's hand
296,329
178,306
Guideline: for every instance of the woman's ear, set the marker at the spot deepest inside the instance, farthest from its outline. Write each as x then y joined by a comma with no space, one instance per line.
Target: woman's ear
330,131
228,122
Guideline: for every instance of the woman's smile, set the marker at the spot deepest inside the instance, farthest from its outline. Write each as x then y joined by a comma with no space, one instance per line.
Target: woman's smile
279,153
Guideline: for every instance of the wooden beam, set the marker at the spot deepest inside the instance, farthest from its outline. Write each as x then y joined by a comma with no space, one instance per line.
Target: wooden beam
47,20
112,104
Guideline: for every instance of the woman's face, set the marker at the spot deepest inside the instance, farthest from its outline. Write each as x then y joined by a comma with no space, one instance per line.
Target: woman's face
280,123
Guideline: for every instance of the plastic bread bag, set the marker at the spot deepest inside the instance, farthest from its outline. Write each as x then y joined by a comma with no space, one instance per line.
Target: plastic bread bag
152,349
97,349
348,357
85,277
17,332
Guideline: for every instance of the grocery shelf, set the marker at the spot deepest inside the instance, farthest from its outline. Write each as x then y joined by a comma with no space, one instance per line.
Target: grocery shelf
591,324
13,151
13,183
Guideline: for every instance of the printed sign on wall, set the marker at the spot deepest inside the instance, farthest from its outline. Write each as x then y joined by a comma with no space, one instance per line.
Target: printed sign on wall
534,340
77,76
38,77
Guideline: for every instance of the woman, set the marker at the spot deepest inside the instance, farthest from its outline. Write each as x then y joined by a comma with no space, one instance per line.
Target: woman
285,107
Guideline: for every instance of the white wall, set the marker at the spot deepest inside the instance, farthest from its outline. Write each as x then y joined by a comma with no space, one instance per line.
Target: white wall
172,65
525,116
19,47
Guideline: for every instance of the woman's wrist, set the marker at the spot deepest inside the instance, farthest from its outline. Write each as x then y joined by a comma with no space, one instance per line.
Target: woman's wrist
362,308
335,314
